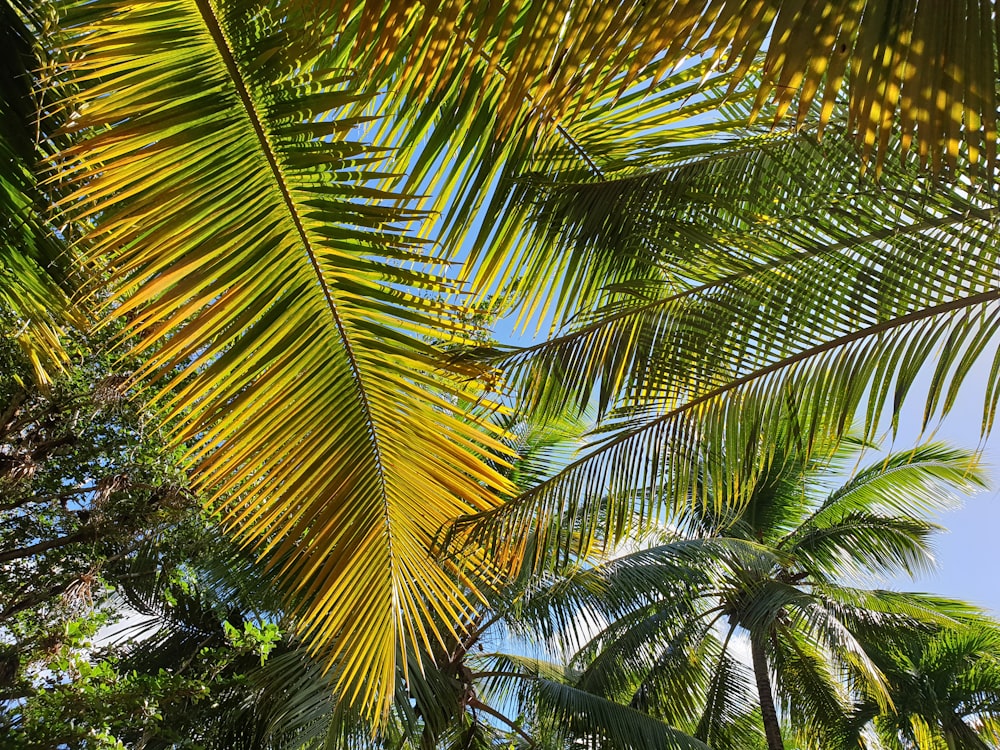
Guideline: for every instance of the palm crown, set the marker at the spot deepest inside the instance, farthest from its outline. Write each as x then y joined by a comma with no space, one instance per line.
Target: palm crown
782,571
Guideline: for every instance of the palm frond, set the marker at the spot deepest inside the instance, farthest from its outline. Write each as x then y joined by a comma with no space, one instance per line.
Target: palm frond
671,354
925,479
275,292
34,261
731,717
869,544
735,237
922,68
598,722
813,699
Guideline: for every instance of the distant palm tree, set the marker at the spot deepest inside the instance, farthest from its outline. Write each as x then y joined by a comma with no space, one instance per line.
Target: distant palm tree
782,572
945,687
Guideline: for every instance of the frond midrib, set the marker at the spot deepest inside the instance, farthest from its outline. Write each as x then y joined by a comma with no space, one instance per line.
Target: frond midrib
224,48
985,215
762,372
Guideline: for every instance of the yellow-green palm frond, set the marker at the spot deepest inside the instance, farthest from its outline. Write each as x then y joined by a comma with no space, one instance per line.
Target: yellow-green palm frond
34,263
926,68
469,133
282,304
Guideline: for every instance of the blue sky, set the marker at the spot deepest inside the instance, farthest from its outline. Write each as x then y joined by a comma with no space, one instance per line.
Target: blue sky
969,554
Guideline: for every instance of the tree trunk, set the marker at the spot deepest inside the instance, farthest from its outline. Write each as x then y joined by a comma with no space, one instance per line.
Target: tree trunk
772,729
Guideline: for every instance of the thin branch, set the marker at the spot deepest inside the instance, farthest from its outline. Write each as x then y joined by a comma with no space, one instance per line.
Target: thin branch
86,533
477,704
72,492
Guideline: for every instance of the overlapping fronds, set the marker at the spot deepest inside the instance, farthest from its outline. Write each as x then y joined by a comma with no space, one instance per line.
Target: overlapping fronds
599,722
945,686
752,571
767,252
925,68
773,273
279,297
33,260
457,156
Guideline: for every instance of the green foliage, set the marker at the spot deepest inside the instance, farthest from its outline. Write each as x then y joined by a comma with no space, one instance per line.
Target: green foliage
97,529
778,572
241,181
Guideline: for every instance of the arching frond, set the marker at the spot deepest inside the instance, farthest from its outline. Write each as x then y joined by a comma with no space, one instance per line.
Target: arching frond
872,544
814,701
598,722
927,479
832,291
276,294
731,718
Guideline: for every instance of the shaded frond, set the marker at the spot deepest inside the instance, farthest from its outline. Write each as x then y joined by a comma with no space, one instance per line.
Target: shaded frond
927,69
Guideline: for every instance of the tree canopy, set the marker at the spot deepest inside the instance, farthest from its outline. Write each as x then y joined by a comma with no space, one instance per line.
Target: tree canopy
279,211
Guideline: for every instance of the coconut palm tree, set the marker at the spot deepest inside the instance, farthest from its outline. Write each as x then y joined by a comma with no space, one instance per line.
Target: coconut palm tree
944,684
779,573
233,200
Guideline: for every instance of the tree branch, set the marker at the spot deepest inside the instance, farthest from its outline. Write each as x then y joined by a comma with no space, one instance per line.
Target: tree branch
86,533
477,704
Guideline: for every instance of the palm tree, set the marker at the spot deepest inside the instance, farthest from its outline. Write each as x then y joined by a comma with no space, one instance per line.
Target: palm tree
944,684
781,571
232,200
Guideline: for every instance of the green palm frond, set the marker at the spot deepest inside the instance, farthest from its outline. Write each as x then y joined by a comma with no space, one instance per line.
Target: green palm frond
731,718
944,684
502,675
598,722
878,518
642,472
733,322
34,261
736,237
814,700
927,479
870,544
277,295
868,612
646,654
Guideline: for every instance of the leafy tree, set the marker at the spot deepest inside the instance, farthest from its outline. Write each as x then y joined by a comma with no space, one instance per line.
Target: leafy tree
87,485
98,524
